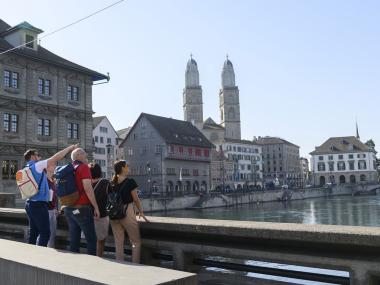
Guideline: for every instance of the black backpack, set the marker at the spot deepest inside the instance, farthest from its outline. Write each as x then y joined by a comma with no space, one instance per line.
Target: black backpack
115,208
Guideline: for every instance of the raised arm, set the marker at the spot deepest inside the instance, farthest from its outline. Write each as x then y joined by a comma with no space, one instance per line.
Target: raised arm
52,161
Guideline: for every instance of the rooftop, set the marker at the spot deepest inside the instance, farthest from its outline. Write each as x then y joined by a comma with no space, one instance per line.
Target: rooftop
42,54
341,145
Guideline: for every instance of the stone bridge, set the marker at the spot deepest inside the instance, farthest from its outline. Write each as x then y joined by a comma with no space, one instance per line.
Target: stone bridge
365,189
233,247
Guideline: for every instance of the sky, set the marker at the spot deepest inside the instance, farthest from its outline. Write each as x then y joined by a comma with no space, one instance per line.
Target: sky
306,69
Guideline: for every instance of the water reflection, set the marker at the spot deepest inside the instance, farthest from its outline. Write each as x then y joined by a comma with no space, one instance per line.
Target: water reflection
347,210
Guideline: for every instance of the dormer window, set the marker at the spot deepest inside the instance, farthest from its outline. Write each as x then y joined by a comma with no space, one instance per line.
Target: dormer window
29,41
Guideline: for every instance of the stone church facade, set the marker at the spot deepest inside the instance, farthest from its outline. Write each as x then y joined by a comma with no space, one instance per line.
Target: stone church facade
45,101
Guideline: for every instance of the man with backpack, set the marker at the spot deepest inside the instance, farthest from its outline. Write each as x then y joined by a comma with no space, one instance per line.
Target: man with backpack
80,215
36,206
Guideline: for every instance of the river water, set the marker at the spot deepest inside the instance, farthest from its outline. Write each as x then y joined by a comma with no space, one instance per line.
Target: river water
339,210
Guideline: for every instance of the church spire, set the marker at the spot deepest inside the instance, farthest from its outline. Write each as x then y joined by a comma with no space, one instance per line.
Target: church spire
228,74
357,131
192,74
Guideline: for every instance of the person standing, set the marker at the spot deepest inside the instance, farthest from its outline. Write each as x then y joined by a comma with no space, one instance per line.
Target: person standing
80,216
36,207
127,188
101,188
53,207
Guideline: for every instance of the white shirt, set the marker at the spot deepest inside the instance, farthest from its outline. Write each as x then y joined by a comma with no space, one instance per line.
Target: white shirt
41,165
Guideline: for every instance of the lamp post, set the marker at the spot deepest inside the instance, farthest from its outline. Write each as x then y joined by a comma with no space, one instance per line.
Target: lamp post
110,159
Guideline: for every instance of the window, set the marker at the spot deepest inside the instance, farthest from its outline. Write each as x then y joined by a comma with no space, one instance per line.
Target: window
43,86
341,165
198,152
206,153
101,140
72,93
10,122
170,171
43,128
96,139
73,131
29,41
185,172
351,156
103,130
7,78
14,79
190,151
180,150
11,79
101,162
108,140
130,151
9,169
362,164
331,157
351,165
331,166
100,150
157,149
321,166
340,156
320,157
195,172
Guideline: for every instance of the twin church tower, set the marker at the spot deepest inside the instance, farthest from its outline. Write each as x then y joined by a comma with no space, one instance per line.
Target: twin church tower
229,127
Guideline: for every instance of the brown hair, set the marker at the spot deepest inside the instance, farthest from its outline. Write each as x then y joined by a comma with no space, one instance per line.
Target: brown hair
118,167
29,153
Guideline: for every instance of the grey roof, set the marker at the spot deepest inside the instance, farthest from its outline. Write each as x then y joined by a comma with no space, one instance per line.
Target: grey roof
273,140
123,132
23,25
44,55
175,131
210,124
96,121
240,141
341,145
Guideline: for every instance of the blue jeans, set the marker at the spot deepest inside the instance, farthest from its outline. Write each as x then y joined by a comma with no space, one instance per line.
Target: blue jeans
39,226
81,219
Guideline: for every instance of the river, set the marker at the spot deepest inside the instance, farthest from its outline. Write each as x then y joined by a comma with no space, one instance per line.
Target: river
339,210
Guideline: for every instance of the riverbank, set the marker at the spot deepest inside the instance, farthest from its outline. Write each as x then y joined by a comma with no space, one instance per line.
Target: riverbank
235,199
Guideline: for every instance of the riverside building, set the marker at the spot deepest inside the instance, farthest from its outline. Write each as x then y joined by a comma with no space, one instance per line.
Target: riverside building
341,160
45,101
168,157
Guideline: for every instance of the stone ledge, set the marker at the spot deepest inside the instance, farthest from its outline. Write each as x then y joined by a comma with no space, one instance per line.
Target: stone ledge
40,265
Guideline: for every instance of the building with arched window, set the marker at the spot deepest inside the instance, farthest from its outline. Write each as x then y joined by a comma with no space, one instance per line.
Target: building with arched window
343,160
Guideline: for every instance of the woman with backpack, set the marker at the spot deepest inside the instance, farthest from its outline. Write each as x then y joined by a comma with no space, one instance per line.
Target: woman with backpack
126,189
101,188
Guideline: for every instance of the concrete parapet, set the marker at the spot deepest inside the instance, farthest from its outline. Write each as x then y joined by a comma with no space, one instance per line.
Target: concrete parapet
7,200
27,264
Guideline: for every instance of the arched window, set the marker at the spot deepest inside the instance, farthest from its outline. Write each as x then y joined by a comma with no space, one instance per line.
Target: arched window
322,180
363,178
342,179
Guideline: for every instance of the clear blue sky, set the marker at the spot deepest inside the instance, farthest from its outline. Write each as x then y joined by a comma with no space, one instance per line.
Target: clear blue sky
305,69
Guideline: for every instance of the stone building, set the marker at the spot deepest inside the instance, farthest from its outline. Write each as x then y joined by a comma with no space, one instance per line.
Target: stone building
305,171
168,156
106,142
341,160
222,171
281,161
45,101
247,162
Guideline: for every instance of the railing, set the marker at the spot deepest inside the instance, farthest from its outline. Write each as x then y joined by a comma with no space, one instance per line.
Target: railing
194,244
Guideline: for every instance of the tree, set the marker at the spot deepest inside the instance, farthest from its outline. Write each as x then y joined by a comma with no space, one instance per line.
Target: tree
370,143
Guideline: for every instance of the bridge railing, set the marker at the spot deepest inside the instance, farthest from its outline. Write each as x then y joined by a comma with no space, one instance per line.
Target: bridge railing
197,244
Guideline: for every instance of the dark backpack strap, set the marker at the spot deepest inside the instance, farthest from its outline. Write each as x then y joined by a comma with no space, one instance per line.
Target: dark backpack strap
42,176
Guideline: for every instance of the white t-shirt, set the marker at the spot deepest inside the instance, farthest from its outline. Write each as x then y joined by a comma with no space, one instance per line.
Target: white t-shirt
41,165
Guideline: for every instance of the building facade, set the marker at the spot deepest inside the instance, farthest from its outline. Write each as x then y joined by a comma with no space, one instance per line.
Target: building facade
341,160
167,156
305,171
281,161
106,142
45,101
247,163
